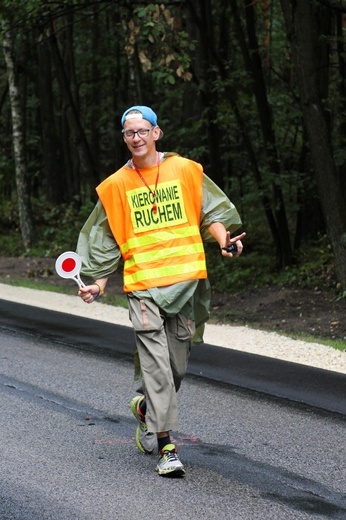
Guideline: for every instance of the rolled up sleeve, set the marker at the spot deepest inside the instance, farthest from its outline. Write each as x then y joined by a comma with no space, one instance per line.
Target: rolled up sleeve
216,207
97,247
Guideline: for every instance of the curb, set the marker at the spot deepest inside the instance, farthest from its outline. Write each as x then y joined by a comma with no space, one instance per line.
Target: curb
303,384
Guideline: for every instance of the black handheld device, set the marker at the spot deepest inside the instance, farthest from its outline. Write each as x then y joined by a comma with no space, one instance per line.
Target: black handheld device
232,248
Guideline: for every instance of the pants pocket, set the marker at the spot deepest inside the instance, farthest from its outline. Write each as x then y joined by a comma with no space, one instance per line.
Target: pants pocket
144,315
185,328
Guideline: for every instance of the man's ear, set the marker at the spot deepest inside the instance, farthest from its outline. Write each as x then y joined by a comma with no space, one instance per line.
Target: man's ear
156,133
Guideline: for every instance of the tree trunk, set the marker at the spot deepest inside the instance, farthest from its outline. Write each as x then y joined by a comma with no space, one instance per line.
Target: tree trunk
341,48
78,137
253,64
202,13
18,136
301,21
95,99
131,49
50,151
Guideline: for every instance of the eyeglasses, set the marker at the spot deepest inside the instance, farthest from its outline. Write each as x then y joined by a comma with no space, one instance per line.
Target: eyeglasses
142,132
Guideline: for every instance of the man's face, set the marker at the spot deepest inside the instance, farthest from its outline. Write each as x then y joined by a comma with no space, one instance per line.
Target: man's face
140,137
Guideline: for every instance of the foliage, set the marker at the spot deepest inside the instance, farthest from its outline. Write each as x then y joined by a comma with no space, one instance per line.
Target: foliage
314,269
165,51
57,229
220,76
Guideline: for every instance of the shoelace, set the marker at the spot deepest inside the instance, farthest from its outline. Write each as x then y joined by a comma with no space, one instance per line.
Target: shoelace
170,455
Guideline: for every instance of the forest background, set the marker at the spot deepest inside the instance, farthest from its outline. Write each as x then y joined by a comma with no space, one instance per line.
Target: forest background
253,90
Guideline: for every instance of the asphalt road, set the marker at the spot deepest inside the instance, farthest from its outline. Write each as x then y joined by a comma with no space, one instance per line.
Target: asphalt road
252,448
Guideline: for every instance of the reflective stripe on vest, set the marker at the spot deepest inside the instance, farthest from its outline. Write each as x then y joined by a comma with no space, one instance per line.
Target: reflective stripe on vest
183,260
176,274
162,253
158,238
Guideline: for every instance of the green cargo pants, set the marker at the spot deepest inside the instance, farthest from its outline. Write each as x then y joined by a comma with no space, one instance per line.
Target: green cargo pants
164,345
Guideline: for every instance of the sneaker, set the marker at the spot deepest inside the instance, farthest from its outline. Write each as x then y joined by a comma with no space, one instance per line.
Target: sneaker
146,441
169,464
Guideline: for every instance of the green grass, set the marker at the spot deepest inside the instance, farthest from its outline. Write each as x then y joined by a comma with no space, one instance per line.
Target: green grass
257,267
117,301
307,338
334,343
40,286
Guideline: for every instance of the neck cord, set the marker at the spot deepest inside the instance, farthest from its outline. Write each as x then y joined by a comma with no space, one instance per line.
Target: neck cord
153,193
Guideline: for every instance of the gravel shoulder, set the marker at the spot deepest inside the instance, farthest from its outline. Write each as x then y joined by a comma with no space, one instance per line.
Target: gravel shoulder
236,337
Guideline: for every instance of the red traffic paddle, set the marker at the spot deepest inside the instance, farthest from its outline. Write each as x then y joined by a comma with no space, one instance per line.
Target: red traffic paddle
68,265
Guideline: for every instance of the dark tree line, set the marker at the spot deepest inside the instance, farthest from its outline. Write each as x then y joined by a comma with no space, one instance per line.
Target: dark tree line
255,91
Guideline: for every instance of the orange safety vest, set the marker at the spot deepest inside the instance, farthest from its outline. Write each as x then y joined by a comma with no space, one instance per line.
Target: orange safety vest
161,248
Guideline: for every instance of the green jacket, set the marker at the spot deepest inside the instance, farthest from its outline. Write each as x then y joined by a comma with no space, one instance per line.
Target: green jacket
101,256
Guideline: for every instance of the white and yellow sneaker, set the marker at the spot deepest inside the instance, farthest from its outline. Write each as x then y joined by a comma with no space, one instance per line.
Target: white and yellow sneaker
146,441
168,464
